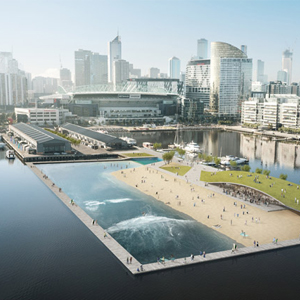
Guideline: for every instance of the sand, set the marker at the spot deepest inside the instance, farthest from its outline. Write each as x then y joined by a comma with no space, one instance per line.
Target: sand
182,196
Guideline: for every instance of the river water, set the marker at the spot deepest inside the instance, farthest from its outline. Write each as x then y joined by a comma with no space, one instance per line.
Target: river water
47,253
278,157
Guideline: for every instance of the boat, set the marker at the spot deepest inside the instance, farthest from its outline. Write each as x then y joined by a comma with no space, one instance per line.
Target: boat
10,154
192,147
148,145
239,160
130,141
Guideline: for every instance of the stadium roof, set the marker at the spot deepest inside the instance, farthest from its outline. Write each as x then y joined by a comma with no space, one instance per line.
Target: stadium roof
128,87
105,138
38,134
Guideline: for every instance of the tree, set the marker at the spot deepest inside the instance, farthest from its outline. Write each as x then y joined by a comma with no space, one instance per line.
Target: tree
200,155
156,146
208,158
233,163
266,172
181,152
245,168
283,176
167,157
258,170
217,160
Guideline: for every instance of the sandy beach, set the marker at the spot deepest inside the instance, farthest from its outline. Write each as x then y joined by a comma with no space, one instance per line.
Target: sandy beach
200,202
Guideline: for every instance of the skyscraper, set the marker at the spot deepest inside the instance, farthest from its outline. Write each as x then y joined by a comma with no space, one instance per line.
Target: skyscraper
90,68
114,53
231,76
202,49
174,67
13,81
244,48
287,61
98,69
197,80
153,72
120,71
260,71
82,67
282,76
65,78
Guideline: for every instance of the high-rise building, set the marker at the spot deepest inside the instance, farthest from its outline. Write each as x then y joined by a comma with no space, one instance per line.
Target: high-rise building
120,71
13,81
174,67
260,71
287,61
153,72
231,76
90,68
197,80
202,46
44,85
134,73
82,67
244,48
282,76
98,69
114,53
65,78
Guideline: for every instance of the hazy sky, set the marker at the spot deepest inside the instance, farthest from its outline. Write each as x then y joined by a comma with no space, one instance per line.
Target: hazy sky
152,31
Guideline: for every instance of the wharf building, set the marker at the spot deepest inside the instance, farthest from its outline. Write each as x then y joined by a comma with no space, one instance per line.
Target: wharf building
36,140
231,76
197,81
275,111
92,138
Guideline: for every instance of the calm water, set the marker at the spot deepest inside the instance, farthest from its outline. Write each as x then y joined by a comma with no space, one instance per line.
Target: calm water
278,157
47,253
119,208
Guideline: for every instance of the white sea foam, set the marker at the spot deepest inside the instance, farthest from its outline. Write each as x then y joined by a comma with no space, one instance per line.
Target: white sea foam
118,200
93,203
146,221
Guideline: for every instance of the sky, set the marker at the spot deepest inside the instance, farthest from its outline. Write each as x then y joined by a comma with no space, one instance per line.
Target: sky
41,33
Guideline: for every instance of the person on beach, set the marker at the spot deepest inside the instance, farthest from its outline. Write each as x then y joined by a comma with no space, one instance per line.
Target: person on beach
130,259
127,260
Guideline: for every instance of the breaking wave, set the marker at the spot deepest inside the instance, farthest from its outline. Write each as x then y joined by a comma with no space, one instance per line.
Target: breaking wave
121,200
147,221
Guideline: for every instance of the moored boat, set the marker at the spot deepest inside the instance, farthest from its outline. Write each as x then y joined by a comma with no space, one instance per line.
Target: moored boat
192,147
148,145
10,154
130,141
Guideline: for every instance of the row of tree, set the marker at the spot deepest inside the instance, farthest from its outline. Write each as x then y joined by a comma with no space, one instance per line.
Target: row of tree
73,141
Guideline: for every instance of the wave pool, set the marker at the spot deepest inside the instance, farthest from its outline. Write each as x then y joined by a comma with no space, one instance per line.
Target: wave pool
147,228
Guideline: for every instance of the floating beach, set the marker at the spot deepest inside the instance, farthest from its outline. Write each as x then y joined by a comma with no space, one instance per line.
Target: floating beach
241,222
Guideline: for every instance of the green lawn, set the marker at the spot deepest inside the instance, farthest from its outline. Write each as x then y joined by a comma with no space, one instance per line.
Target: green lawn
137,154
176,168
264,185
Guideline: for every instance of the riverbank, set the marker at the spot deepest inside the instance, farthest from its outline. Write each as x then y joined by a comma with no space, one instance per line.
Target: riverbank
208,207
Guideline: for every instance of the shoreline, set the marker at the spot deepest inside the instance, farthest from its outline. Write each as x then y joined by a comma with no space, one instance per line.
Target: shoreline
182,196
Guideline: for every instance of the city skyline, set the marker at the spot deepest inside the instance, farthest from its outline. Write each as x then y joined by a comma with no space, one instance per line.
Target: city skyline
39,44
